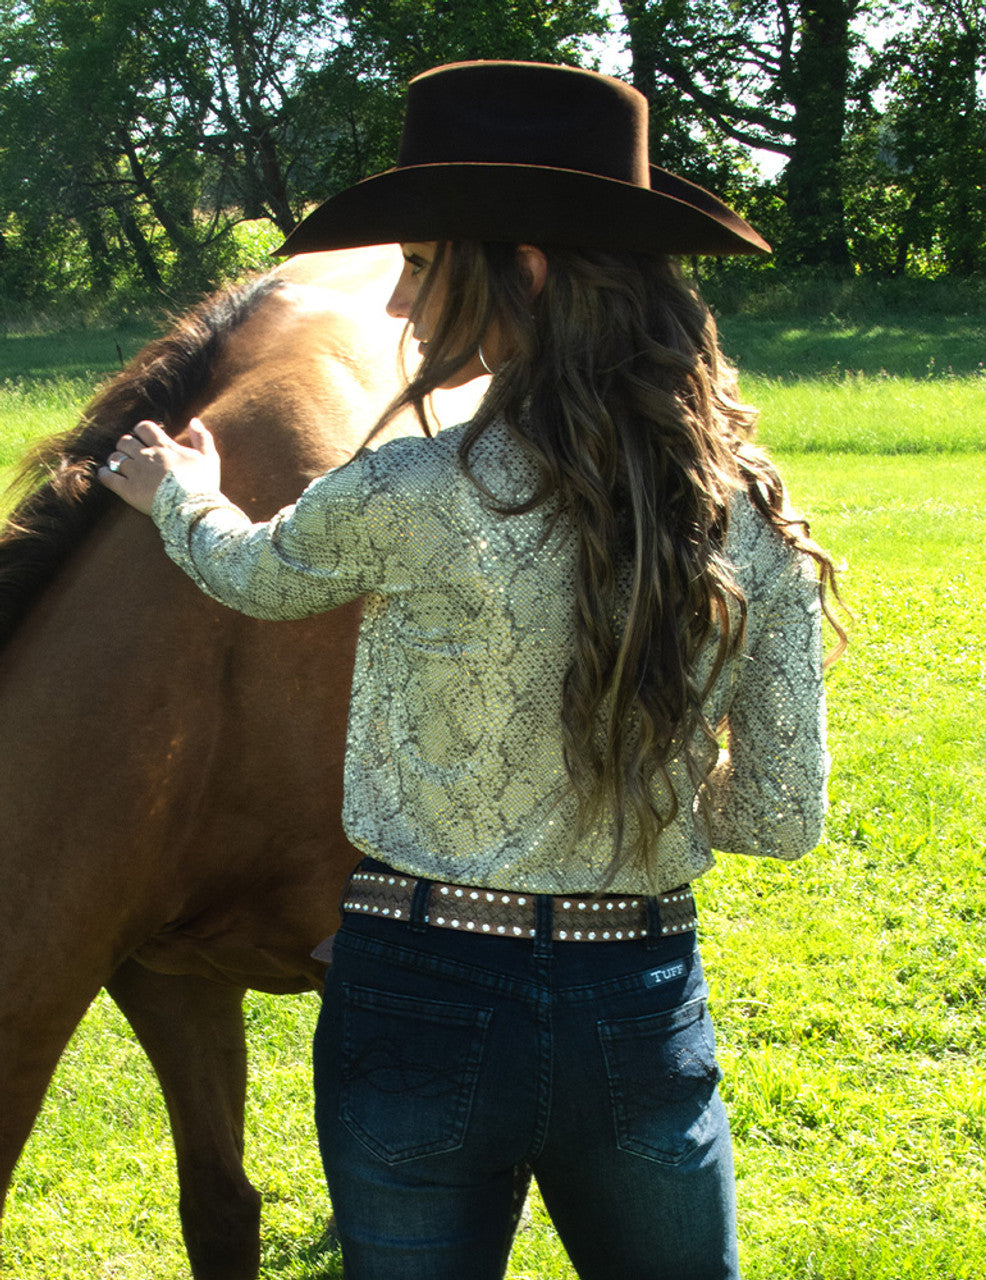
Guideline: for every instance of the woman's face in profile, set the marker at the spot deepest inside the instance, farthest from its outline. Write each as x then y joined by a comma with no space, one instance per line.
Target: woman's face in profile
418,260
419,257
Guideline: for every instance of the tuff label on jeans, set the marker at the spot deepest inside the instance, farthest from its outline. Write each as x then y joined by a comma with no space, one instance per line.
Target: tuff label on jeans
667,973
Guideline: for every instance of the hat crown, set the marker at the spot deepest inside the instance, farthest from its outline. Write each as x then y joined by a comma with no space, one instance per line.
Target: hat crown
526,152
522,113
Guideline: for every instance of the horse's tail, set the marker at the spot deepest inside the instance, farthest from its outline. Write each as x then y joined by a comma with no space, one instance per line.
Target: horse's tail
64,498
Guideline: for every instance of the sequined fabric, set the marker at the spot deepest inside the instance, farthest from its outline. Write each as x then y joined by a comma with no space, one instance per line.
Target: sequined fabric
454,765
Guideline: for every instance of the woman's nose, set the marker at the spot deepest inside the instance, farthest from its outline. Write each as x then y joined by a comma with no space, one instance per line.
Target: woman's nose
399,305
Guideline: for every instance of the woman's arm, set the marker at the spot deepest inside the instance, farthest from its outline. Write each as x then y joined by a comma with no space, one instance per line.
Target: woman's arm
767,795
310,557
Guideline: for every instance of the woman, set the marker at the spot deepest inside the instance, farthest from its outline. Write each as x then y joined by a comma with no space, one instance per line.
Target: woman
567,599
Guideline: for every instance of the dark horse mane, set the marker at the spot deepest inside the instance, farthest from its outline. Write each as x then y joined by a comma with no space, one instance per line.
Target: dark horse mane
65,499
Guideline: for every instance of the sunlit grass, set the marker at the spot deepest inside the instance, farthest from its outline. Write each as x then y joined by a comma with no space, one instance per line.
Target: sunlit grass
31,409
849,986
856,413
46,380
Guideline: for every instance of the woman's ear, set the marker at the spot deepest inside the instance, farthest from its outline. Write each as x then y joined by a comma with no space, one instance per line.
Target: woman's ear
533,266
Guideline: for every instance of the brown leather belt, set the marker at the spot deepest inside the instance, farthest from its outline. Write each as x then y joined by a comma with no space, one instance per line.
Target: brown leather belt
575,918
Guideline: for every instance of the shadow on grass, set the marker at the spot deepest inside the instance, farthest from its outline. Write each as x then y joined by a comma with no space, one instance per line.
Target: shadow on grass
86,353
318,1258
806,348
907,344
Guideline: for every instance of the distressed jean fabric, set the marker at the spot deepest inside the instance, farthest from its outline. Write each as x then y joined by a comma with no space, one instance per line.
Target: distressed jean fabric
447,1065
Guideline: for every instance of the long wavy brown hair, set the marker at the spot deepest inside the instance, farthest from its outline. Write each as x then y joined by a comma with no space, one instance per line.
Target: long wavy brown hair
616,387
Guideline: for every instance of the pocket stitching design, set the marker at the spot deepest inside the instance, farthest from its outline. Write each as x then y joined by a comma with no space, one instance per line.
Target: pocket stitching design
473,1021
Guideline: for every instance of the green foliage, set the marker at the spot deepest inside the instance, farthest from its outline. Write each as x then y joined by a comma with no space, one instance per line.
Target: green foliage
916,170
772,77
135,135
358,92
397,39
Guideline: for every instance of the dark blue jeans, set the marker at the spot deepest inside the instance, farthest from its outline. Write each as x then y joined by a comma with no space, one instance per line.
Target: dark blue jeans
448,1064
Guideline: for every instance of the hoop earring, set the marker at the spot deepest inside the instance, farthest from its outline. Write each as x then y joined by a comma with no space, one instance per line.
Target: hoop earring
482,360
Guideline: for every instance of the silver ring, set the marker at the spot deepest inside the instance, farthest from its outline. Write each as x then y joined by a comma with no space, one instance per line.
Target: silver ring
114,464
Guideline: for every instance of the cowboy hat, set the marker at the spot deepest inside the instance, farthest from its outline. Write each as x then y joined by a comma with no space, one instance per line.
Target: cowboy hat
526,152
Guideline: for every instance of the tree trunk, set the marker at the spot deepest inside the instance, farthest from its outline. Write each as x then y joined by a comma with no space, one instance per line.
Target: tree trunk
274,187
813,177
138,244
664,98
99,255
178,228
643,59
905,237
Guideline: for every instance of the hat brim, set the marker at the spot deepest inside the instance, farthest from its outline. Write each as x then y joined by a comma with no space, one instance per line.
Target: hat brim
525,204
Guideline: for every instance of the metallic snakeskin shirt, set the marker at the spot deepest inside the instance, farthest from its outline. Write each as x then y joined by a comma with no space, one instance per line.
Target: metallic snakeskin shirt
454,765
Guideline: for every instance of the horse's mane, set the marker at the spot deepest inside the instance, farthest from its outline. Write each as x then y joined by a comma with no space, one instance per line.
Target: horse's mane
64,498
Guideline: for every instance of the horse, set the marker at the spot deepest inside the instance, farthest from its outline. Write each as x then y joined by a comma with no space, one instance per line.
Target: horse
171,778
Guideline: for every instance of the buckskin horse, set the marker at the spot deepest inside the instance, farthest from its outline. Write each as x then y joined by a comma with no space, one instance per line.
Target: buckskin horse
171,776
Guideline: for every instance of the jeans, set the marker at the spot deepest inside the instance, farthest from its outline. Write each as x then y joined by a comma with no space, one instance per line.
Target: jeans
448,1065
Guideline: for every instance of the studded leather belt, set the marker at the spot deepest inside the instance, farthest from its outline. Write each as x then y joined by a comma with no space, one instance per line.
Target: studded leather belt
575,918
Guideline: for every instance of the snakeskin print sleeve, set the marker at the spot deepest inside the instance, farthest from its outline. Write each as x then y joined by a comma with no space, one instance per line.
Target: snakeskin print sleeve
767,793
337,542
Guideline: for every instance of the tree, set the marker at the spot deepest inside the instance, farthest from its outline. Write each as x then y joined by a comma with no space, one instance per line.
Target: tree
149,128
397,39
381,44
927,151
253,53
79,113
774,76
136,133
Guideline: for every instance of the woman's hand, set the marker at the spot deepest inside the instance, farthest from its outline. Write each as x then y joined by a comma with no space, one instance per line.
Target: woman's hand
143,457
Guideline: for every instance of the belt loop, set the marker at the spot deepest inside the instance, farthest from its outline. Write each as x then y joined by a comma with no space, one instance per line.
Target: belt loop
544,906
347,887
654,934
419,906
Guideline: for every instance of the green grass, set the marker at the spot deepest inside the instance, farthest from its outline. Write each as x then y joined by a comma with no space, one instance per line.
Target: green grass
830,346
855,414
47,379
848,988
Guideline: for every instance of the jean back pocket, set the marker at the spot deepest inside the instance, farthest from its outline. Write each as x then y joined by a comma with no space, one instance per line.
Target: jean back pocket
663,1074
409,1071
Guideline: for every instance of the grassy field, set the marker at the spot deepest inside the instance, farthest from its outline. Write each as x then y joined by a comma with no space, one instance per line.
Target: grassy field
848,988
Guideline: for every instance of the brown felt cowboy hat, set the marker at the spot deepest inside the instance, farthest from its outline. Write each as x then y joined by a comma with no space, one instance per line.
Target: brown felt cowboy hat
526,152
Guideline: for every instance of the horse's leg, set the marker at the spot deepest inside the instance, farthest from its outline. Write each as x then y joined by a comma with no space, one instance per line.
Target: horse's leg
192,1031
37,1018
